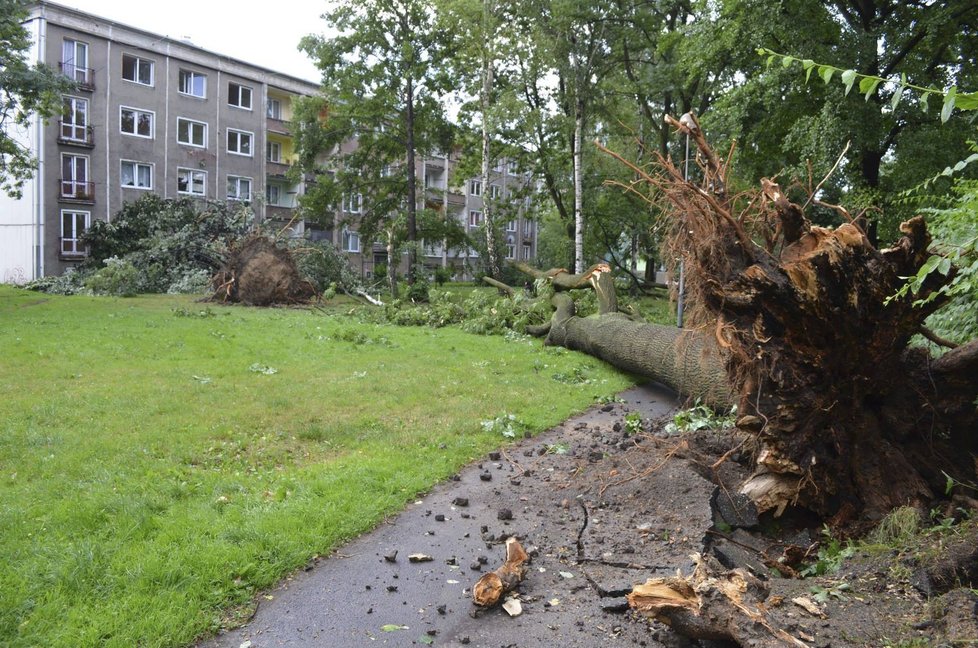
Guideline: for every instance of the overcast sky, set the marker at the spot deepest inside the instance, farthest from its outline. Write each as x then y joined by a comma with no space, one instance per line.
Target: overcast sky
265,34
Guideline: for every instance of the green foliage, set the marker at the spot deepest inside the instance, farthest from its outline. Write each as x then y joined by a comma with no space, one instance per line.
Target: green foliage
950,98
633,423
700,417
900,526
29,92
831,554
170,245
119,277
506,425
69,283
326,266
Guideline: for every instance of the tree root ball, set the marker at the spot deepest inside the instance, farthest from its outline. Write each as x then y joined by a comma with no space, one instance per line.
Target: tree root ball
261,272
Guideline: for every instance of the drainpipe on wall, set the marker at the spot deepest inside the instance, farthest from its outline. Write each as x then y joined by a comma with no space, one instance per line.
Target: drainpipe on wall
39,183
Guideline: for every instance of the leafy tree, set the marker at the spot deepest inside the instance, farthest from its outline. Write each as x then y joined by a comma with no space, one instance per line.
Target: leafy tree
25,90
380,109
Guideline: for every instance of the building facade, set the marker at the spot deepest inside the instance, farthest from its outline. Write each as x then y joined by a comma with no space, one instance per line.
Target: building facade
154,114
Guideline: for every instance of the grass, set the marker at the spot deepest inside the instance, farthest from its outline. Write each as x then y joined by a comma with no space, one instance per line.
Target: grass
161,461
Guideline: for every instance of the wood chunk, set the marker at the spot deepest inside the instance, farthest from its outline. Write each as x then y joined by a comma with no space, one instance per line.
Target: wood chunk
490,588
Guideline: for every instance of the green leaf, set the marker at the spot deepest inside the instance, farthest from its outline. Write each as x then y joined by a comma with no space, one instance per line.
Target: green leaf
948,107
867,86
786,61
426,640
923,101
848,78
826,72
392,627
770,60
966,101
895,99
944,266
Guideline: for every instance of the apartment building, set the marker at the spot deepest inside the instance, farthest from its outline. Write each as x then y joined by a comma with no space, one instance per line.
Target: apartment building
149,114
155,114
457,198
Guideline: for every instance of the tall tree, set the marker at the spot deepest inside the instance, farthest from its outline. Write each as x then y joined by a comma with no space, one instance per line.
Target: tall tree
381,108
26,91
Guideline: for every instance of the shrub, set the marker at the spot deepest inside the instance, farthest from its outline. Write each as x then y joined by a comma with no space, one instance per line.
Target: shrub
119,277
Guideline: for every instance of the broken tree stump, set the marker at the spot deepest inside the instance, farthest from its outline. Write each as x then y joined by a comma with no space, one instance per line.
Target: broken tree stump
489,590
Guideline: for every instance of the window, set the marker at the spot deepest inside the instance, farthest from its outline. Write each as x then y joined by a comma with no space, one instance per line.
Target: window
137,70
137,175
73,225
239,188
352,203
193,83
273,194
494,192
514,168
274,152
239,142
74,119
510,248
351,241
74,62
133,121
191,181
475,188
74,178
527,228
475,218
526,251
239,96
274,110
511,226
192,133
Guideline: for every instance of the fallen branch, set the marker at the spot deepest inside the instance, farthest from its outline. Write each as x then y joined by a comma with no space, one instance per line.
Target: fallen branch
490,588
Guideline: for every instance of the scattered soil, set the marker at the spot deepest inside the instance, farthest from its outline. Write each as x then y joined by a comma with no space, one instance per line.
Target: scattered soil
599,510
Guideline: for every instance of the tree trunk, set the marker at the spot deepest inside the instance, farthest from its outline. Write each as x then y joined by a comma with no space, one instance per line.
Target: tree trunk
412,188
485,90
578,186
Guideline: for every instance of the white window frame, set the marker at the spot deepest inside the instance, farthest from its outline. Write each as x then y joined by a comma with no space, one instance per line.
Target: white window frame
240,136
193,174
72,126
135,122
135,174
241,87
73,183
527,251
191,123
510,248
527,228
79,73
495,191
513,167
274,109
511,226
137,61
276,147
475,218
351,241
237,194
353,203
475,187
75,250
185,75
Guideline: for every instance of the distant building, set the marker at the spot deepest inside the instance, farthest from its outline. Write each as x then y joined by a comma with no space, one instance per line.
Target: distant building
155,114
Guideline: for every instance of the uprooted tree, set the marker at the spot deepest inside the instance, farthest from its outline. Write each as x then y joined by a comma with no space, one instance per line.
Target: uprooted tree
798,326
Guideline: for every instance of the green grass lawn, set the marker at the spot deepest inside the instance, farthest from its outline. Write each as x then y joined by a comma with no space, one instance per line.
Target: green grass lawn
162,460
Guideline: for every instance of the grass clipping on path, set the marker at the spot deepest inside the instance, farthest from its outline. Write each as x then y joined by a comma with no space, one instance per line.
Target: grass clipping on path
161,460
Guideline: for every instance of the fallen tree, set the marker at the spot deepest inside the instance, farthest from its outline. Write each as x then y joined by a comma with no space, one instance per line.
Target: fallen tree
261,272
799,326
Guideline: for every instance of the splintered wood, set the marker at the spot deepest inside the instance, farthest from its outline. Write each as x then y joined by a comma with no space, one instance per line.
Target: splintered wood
490,589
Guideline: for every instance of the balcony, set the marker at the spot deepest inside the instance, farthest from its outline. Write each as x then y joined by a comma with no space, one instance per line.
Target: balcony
83,76
278,126
278,168
71,249
76,191
75,135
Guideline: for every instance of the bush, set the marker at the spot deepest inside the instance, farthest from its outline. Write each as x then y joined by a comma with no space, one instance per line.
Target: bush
70,283
325,266
119,277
